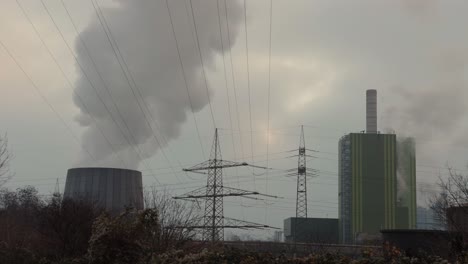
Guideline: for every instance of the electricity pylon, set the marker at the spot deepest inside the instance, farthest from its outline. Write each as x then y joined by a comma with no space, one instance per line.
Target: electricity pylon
213,222
302,172
301,197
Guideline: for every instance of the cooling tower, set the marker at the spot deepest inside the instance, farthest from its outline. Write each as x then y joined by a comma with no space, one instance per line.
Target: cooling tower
371,111
108,188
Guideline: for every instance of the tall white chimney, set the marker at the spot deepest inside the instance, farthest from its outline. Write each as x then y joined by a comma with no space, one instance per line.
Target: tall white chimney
371,111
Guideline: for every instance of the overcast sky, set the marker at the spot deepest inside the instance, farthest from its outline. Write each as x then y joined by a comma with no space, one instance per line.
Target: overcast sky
324,55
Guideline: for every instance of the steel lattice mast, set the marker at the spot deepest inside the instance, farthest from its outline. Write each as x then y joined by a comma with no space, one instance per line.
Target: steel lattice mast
213,221
302,172
301,199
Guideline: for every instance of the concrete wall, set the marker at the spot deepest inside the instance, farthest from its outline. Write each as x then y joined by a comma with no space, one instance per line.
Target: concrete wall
108,188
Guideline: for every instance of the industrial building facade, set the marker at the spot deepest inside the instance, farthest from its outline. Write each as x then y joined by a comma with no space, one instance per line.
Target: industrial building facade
111,189
313,230
377,185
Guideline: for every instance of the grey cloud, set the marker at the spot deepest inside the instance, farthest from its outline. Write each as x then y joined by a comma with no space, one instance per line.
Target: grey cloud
413,52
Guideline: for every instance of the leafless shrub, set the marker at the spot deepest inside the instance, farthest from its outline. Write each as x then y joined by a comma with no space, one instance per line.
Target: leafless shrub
175,219
454,193
53,227
5,158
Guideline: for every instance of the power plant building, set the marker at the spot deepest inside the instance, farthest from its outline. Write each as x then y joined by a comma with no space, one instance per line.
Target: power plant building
313,230
110,189
377,181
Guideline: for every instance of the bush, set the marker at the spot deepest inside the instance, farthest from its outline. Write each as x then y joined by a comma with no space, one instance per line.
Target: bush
236,256
43,229
115,241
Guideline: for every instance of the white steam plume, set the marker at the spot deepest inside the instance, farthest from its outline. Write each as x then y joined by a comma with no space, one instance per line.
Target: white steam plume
142,32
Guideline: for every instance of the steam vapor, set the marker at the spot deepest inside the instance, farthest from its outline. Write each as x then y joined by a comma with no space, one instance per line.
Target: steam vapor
143,34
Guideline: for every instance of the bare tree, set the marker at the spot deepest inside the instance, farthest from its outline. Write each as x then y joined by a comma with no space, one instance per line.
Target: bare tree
5,158
453,195
175,219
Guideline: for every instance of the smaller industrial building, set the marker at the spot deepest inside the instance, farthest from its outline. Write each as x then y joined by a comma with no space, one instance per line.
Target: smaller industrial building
457,219
311,230
415,242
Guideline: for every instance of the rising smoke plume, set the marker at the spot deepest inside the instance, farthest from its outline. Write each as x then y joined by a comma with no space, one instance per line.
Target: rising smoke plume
433,111
143,33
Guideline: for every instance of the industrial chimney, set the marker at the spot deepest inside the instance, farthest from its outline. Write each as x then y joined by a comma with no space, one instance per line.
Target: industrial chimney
371,111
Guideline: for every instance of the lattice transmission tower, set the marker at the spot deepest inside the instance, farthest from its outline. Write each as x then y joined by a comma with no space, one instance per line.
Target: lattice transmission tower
301,197
213,222
302,173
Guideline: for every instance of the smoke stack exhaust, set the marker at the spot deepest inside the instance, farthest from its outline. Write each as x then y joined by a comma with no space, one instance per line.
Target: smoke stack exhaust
371,111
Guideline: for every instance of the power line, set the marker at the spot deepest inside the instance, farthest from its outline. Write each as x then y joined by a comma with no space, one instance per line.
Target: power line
82,70
185,77
268,96
248,83
83,43
202,63
233,79
225,78
285,200
117,53
41,95
277,208
430,188
279,177
269,86
80,99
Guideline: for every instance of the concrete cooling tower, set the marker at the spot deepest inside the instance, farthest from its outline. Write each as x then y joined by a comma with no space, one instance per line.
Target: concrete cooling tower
108,188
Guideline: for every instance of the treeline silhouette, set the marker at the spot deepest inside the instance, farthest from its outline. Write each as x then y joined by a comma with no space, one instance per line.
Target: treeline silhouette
56,230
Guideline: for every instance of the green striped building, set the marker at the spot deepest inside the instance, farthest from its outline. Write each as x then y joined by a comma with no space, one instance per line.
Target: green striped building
376,185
